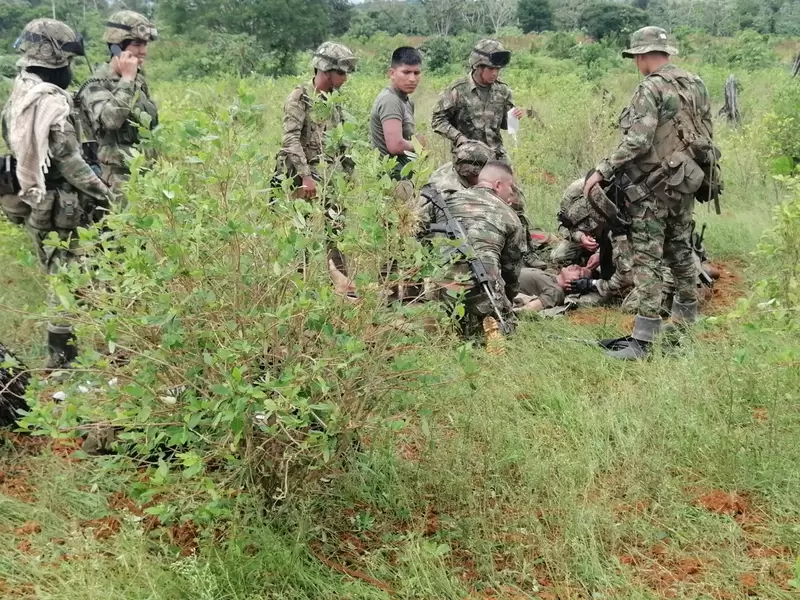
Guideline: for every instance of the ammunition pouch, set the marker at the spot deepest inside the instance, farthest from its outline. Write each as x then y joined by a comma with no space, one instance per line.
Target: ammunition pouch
59,209
683,175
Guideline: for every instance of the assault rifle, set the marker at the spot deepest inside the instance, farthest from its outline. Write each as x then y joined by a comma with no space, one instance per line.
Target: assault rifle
453,230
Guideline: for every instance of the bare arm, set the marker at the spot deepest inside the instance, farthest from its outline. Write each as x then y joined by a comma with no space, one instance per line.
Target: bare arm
393,134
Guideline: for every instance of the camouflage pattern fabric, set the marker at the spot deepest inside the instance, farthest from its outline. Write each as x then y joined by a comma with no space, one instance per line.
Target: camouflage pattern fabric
48,43
306,119
661,220
621,281
495,234
332,56
71,186
112,110
475,112
126,25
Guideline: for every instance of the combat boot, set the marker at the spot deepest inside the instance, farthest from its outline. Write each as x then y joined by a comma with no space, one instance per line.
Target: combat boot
62,349
682,317
645,331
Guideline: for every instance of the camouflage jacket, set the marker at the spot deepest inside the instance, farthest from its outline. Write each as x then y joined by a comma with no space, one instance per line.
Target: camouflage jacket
67,166
494,232
649,120
447,181
113,109
304,127
465,108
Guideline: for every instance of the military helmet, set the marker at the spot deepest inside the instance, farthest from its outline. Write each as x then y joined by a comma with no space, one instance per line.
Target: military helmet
470,158
48,43
489,53
579,213
331,56
650,39
128,25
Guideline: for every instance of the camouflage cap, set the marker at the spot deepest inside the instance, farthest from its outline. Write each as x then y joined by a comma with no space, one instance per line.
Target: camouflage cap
48,43
650,39
579,213
331,56
129,25
470,158
489,53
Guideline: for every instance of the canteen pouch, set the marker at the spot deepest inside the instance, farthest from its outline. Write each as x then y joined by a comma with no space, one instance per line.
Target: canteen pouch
11,204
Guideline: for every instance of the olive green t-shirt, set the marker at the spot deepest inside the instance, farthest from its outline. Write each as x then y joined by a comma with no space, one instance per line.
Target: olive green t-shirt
391,104
542,285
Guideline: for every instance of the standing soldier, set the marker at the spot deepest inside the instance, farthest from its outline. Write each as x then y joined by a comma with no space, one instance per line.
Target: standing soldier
116,101
476,107
307,118
52,185
666,136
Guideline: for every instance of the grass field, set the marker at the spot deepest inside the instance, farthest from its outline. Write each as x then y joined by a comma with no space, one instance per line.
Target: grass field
550,473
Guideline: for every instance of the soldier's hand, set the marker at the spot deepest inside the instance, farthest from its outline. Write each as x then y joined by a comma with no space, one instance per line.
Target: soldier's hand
309,187
581,286
126,65
518,112
593,262
589,243
594,180
462,139
421,139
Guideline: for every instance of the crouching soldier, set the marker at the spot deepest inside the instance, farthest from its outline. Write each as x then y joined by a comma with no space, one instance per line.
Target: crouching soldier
52,183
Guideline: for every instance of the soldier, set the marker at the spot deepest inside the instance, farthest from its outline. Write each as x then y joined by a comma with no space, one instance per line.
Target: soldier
497,238
306,119
116,101
476,107
392,124
54,183
575,246
664,130
540,290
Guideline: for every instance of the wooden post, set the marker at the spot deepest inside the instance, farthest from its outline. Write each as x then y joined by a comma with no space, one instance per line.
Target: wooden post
731,108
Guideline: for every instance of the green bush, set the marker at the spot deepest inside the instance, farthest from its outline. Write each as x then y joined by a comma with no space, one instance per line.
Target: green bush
560,45
782,128
438,53
751,51
8,66
242,370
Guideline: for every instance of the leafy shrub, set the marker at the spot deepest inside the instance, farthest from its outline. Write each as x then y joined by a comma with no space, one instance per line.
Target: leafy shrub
438,53
239,369
560,45
612,20
751,51
783,128
8,66
597,59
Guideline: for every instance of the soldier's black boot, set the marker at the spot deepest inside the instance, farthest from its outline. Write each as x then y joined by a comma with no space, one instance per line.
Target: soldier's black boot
645,331
62,349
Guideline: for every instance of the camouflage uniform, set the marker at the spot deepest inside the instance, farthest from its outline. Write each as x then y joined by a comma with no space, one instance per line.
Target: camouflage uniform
472,111
113,108
307,117
496,236
661,221
70,183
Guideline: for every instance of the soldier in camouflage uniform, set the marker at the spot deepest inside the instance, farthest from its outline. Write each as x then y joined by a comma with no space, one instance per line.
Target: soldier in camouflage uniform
476,107
116,101
495,234
308,116
668,118
54,183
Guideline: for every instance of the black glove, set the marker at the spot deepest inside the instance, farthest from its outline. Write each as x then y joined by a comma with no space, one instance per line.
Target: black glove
581,286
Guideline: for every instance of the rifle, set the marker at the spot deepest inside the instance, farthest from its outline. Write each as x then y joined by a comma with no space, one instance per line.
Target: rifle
700,251
453,230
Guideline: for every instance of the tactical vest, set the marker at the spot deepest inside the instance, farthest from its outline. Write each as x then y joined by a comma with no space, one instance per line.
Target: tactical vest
680,145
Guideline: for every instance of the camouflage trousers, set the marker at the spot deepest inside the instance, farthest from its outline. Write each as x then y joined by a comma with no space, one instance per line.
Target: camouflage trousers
115,177
661,232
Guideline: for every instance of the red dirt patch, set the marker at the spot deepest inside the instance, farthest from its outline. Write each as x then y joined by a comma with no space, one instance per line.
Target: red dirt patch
724,503
757,550
185,536
601,316
760,414
29,528
14,484
103,528
727,289
25,546
748,583
120,502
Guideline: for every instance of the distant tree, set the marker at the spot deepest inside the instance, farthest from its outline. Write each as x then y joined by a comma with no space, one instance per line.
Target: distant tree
535,15
341,13
443,15
612,20
499,13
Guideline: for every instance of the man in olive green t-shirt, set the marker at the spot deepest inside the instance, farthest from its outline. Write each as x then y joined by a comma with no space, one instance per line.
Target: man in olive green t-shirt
391,121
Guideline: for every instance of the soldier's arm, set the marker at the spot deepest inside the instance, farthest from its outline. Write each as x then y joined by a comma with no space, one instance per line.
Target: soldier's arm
294,115
509,104
66,156
622,279
109,110
511,259
440,121
643,115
